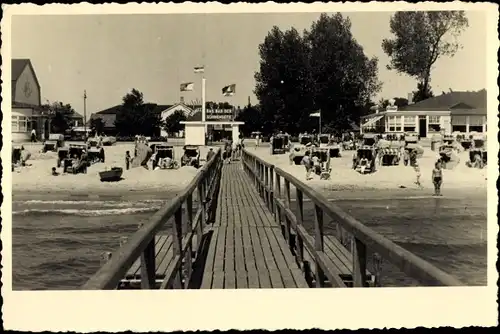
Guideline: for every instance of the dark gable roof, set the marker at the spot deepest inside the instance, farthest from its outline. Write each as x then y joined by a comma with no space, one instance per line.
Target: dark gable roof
112,110
108,119
195,117
17,67
474,100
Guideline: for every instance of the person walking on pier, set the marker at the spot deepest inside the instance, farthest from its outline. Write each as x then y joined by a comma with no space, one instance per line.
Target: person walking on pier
257,140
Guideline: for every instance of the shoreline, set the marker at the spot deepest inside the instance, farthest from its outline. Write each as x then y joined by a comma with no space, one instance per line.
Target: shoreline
98,194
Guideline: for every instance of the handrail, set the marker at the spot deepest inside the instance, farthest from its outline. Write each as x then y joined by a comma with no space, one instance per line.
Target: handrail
267,179
142,242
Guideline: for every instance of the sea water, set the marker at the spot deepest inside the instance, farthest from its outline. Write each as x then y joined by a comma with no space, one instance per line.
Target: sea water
59,244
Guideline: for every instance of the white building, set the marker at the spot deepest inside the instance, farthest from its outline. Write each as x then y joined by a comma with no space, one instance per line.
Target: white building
455,111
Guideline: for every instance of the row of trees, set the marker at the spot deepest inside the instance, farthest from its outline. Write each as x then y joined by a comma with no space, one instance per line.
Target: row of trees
325,69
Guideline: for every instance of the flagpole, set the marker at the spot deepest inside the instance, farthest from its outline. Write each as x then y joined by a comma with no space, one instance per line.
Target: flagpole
320,121
203,101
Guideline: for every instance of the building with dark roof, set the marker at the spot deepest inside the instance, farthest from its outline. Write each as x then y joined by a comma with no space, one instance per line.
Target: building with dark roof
27,112
450,112
26,101
108,116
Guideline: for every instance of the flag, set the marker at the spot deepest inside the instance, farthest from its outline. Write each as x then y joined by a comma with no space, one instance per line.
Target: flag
188,86
316,114
199,69
229,90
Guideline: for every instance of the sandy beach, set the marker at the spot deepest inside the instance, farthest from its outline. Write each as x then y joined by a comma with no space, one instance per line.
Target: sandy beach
36,180
348,183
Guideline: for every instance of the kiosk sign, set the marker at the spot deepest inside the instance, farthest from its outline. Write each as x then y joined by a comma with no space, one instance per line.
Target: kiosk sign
220,115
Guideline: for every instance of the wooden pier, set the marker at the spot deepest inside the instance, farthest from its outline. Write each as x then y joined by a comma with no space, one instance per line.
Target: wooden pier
234,227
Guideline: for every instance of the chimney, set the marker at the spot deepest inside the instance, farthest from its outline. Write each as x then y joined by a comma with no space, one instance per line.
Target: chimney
410,98
182,99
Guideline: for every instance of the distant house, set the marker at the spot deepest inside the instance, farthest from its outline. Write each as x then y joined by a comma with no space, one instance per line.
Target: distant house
26,101
450,112
76,120
108,116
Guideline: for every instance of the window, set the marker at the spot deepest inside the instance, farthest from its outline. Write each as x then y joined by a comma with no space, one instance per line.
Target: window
23,124
458,128
410,123
476,128
434,124
395,123
20,124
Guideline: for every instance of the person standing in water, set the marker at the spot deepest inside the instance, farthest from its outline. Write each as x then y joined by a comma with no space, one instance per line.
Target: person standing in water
437,178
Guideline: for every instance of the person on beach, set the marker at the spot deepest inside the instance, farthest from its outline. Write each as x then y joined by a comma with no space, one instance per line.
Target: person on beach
406,157
33,135
307,162
316,165
418,174
413,158
54,172
128,159
437,178
210,154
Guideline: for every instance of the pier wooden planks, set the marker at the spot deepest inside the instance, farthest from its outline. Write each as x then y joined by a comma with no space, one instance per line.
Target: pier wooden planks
247,249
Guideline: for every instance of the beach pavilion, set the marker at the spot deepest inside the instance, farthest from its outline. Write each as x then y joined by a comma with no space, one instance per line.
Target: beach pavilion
219,123
449,112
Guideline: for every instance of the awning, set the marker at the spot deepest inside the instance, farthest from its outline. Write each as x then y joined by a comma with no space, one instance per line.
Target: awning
373,121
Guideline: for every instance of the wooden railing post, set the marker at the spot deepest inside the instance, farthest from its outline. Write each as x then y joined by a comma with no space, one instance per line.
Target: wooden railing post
288,223
189,228
148,265
266,185
271,189
299,252
177,234
318,243
277,191
359,263
201,225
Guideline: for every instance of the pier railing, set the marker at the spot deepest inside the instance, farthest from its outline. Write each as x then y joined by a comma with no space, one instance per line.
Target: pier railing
274,185
187,227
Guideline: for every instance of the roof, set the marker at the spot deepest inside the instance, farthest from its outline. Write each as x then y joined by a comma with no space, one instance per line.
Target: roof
108,119
76,115
17,68
469,100
195,117
24,105
112,110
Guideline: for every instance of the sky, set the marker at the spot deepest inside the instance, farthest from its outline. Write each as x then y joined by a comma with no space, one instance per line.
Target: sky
108,55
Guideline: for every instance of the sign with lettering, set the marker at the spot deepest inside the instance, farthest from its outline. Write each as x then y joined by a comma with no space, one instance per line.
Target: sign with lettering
220,115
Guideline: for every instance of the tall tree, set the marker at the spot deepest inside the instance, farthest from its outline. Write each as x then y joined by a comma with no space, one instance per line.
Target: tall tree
137,117
420,39
61,116
344,78
252,119
173,122
283,81
97,125
422,93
